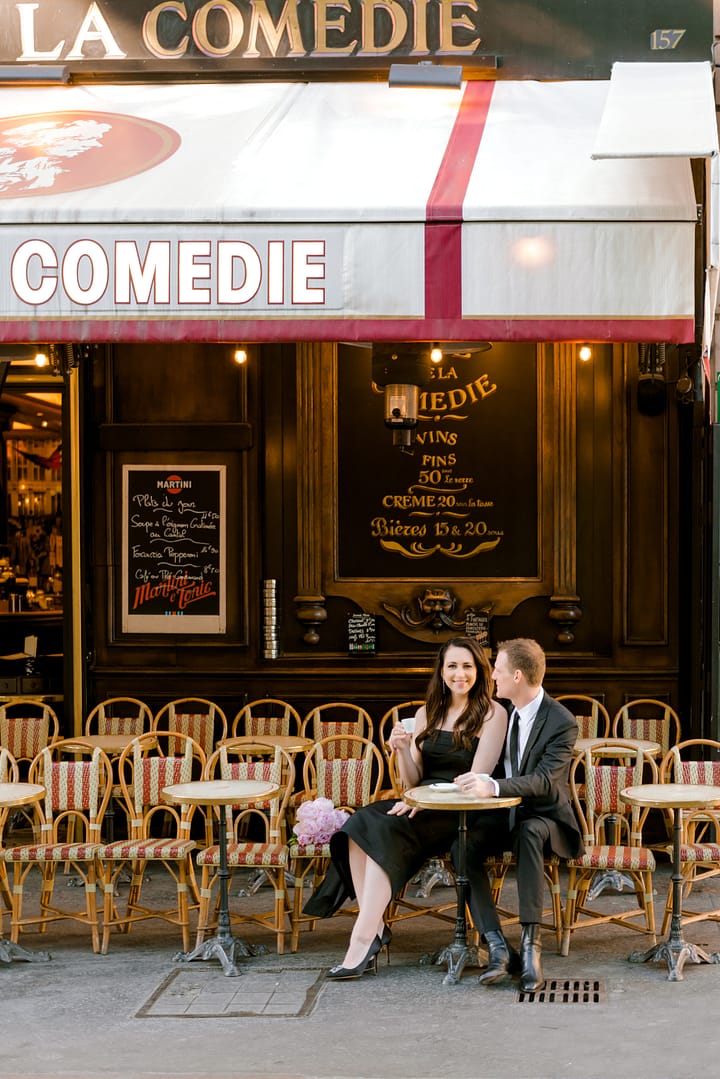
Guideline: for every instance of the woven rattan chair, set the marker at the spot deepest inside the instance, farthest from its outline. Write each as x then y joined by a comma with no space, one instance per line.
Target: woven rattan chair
149,763
336,718
197,718
603,783
647,718
593,718
700,847
77,781
8,774
267,715
256,835
119,715
349,781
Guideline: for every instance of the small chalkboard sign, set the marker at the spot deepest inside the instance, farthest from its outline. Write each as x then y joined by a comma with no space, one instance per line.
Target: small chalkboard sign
477,625
361,634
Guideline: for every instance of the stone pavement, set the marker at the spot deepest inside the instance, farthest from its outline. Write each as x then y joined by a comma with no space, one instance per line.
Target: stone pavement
138,1014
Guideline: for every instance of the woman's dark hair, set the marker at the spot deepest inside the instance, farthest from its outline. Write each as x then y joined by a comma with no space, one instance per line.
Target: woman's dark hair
468,725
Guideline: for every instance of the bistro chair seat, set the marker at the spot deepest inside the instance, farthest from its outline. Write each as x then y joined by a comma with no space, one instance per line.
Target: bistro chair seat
266,850
603,784
700,846
349,781
151,762
77,781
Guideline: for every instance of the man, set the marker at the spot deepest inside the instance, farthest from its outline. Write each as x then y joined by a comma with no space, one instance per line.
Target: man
540,736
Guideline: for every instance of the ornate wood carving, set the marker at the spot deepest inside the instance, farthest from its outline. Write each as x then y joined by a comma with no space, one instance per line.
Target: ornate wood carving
565,608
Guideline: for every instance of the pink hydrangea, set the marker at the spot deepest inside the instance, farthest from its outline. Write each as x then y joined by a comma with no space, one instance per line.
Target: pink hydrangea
317,820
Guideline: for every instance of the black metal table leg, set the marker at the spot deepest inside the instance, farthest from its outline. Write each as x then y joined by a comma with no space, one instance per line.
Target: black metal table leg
223,946
675,950
459,954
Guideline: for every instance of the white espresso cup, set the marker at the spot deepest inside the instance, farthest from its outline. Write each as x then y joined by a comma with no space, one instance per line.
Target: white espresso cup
409,724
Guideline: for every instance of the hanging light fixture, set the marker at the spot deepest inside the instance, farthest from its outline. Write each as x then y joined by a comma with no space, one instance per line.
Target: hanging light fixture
400,370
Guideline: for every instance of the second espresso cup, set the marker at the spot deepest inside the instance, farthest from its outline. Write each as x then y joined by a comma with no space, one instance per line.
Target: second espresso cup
409,724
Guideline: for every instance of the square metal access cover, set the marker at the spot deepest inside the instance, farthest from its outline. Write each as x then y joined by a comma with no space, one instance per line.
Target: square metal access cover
565,992
205,993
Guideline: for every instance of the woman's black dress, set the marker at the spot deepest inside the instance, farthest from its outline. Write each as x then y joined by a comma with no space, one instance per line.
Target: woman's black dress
401,845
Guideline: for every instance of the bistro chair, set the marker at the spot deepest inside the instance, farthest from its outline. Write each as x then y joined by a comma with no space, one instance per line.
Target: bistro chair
266,716
700,846
8,774
603,784
650,719
197,718
151,762
119,715
77,779
347,770
26,727
336,718
256,834
592,717
404,710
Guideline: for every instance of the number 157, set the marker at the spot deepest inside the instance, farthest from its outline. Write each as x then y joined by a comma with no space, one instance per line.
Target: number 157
665,39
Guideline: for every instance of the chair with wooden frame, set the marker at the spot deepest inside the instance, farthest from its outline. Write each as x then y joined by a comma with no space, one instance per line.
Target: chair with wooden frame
149,763
650,719
8,774
700,846
350,776
603,784
77,779
267,715
26,727
119,715
335,718
592,717
198,718
391,718
256,833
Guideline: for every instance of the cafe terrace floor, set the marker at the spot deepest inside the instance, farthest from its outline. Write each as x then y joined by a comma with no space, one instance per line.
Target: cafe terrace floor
136,1013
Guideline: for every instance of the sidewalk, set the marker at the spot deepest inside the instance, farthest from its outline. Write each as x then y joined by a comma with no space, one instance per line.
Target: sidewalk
136,1013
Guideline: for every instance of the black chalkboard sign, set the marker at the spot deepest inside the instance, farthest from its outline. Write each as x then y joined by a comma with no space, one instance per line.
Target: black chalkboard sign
173,549
361,634
477,625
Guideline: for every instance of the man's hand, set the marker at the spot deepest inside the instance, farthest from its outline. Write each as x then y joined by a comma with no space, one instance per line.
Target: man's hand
480,786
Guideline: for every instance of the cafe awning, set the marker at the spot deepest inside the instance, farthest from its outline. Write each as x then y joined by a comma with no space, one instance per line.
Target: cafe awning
325,211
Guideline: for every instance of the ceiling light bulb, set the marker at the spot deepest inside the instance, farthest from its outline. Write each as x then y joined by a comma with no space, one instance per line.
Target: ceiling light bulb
240,355
41,359
585,353
436,354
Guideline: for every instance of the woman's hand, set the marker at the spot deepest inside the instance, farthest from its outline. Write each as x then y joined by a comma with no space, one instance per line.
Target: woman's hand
399,738
402,809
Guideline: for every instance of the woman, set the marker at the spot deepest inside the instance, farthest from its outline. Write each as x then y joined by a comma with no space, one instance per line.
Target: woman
383,845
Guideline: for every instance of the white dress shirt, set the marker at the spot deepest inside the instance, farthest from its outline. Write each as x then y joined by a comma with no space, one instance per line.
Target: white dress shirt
526,718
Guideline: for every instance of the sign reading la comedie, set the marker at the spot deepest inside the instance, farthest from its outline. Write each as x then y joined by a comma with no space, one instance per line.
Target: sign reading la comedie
526,38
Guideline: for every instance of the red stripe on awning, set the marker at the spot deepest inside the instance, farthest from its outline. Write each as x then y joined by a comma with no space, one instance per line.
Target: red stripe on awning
443,214
672,330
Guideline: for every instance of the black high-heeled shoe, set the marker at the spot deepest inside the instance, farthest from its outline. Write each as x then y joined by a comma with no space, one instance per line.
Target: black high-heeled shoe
384,938
342,974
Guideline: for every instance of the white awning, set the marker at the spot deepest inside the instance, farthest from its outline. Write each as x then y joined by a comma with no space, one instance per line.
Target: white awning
328,211
659,110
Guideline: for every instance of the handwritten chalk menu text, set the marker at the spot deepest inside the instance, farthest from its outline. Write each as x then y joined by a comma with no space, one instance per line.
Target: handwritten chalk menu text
173,552
464,501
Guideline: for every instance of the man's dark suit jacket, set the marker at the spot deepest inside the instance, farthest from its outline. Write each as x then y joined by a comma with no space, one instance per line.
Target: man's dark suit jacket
543,780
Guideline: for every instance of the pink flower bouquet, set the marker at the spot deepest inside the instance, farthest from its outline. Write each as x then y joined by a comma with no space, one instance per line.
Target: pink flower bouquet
317,820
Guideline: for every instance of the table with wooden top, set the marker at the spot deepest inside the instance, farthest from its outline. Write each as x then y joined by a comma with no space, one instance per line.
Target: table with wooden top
292,743
221,792
12,796
458,954
650,749
675,950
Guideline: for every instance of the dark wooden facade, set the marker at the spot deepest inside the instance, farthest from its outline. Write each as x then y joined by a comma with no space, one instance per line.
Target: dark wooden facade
615,599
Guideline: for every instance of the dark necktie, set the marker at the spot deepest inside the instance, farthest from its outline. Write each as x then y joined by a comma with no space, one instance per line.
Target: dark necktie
514,723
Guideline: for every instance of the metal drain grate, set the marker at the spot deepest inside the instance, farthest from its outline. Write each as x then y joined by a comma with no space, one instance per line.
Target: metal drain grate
565,992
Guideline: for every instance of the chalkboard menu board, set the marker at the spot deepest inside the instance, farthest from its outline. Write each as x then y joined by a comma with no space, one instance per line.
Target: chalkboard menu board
361,634
173,548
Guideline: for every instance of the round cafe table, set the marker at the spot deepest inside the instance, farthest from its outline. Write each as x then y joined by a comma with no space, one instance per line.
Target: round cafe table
292,743
651,749
675,950
12,796
458,954
221,792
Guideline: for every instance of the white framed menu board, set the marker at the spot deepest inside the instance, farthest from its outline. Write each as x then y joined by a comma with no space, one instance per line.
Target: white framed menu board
173,548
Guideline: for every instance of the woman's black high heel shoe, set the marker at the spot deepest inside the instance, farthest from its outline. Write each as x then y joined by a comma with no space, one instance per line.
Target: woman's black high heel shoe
385,938
343,974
